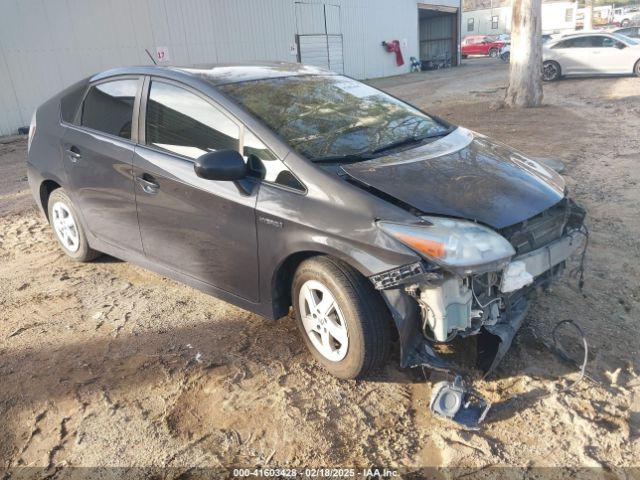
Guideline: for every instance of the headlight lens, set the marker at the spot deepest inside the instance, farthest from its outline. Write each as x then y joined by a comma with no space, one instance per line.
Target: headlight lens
458,245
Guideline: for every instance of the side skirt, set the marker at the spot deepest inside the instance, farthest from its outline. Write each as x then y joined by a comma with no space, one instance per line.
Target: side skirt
262,309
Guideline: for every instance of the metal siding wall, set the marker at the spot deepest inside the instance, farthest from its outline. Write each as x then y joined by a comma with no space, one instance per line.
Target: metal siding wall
366,23
46,45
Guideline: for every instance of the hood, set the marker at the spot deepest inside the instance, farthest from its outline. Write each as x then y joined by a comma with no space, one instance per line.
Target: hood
464,175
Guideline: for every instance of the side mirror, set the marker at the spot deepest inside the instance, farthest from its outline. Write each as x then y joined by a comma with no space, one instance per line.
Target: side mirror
221,165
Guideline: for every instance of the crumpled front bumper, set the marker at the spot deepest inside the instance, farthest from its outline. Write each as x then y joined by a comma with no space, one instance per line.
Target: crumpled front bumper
544,265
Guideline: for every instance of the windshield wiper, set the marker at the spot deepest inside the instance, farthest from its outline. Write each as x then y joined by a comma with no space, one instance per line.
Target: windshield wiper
410,141
368,155
351,157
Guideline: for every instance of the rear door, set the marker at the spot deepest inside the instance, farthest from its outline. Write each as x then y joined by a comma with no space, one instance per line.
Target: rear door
573,55
98,156
201,228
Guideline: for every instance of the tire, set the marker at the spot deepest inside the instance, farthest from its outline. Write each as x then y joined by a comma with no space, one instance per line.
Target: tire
493,53
625,23
506,57
551,71
636,69
359,310
67,229
465,56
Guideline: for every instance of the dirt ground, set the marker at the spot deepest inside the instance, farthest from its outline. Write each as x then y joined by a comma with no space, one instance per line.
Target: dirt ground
106,364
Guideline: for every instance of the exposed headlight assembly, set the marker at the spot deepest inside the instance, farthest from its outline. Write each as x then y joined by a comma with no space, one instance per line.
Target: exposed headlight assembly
460,246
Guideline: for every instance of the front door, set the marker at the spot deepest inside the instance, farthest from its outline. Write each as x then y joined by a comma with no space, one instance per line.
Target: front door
98,157
610,55
202,228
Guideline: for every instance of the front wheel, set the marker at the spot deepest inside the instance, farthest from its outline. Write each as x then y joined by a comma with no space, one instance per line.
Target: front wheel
505,56
550,71
67,228
343,320
636,69
493,53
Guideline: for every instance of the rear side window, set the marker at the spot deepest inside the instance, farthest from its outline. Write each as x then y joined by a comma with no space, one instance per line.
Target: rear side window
108,107
579,42
184,123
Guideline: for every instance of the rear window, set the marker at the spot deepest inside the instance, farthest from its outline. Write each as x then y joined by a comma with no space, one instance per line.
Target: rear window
108,107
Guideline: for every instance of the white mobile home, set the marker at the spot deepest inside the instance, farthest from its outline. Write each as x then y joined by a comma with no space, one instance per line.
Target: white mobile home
557,16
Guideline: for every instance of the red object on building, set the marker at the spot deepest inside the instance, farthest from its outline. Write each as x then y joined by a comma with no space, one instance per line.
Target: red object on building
394,46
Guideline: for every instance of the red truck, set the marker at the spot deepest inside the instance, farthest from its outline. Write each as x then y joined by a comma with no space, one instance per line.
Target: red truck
480,45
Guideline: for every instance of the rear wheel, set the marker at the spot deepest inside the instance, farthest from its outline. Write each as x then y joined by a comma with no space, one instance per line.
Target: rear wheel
625,23
636,69
550,71
493,53
343,320
67,228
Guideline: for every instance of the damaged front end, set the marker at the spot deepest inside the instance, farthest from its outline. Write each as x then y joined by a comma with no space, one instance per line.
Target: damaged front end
451,294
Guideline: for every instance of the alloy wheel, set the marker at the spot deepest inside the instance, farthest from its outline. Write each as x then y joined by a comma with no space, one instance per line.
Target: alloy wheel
550,71
323,320
65,227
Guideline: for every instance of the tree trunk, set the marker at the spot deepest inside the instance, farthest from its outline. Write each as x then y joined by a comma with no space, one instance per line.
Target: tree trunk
525,68
587,23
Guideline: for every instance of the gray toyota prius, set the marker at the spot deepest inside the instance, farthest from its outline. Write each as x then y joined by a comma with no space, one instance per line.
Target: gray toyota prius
282,187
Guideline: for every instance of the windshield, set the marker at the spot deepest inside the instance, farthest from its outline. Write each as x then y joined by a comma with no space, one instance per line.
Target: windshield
324,117
624,38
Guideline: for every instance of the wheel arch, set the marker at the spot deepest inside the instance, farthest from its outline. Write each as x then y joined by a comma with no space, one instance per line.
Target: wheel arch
282,278
46,189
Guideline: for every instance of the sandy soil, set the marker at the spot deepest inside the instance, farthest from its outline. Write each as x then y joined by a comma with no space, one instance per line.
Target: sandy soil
106,364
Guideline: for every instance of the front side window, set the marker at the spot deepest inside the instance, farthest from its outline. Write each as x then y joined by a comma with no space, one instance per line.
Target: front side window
470,23
330,116
108,107
184,123
265,165
608,42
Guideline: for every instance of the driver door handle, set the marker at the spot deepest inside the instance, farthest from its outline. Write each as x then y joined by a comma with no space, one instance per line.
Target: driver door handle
148,184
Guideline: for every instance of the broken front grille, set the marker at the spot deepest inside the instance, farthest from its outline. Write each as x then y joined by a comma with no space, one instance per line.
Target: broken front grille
545,227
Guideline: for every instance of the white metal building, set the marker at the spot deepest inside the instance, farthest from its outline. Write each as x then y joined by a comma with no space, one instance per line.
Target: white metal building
46,45
557,16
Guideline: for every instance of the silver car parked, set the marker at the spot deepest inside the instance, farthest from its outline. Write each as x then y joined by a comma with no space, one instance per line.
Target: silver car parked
591,54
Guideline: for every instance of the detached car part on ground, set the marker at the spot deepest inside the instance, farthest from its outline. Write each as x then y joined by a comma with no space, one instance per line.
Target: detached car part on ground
275,186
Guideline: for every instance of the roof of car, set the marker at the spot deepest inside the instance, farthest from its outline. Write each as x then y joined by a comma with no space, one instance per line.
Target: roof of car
220,74
567,36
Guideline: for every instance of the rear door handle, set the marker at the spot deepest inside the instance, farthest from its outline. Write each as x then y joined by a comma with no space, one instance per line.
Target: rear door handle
74,154
148,184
